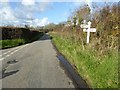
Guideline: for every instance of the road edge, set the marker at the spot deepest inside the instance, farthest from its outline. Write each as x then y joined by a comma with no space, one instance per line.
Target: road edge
73,74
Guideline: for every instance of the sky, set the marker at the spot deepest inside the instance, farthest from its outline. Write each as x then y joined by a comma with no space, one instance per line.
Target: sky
38,12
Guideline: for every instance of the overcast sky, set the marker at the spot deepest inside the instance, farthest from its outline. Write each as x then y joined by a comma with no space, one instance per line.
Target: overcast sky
38,12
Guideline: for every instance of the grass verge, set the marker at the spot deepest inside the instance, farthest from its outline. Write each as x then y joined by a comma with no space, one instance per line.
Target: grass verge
11,43
16,42
98,71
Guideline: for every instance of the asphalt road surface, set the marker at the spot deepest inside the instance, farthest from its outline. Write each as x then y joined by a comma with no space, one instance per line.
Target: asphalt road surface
33,65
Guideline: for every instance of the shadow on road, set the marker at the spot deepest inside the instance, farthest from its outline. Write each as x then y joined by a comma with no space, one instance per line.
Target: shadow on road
5,74
12,62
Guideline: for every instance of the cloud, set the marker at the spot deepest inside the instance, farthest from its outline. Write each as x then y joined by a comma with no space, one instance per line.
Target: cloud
31,5
28,2
27,11
42,22
23,13
3,1
36,22
7,14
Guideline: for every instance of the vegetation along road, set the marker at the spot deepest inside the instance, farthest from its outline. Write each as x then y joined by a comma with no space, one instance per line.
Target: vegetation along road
47,46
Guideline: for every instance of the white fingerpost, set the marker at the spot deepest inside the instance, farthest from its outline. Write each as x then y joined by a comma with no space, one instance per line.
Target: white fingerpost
88,31
86,28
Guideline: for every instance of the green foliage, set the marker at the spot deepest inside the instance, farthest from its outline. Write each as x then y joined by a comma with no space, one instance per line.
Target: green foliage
16,42
11,43
106,21
82,13
74,21
13,36
50,26
98,71
96,62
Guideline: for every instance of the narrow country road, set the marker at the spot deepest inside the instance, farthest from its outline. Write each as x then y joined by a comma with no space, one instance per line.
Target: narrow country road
33,65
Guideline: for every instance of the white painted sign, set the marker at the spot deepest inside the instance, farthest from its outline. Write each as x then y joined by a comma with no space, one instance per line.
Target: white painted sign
91,30
86,28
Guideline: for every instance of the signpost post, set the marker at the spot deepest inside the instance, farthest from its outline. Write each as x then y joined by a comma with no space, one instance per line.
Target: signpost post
86,28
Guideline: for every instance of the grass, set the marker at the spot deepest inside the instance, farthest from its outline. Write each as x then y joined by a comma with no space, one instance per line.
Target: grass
98,71
16,42
11,43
